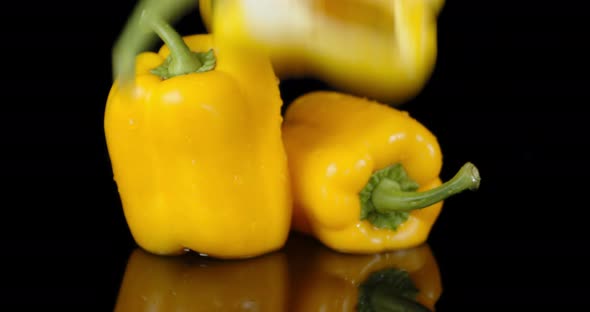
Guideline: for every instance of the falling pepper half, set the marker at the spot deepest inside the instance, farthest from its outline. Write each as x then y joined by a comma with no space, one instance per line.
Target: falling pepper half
365,176
195,146
381,49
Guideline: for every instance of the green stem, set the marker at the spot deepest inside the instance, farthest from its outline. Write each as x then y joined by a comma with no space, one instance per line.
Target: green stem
183,61
387,197
134,38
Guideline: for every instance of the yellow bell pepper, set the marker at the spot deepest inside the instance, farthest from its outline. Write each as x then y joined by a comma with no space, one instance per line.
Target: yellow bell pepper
325,280
194,283
382,49
365,176
196,151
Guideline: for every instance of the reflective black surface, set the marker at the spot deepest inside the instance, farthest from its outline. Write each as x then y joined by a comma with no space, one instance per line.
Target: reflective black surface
303,276
508,93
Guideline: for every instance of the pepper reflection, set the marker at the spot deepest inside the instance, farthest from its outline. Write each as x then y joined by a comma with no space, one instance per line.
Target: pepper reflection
324,280
194,283
304,276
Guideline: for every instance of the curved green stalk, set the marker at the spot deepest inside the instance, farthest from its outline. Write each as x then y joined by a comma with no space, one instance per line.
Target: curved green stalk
136,38
388,197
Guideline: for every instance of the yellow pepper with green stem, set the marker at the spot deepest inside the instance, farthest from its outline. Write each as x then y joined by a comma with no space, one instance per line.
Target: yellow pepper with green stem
365,176
195,146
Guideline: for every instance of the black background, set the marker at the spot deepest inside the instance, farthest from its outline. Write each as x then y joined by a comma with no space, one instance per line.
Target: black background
508,93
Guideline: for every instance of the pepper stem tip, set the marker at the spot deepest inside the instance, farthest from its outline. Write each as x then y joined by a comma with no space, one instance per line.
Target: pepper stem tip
470,171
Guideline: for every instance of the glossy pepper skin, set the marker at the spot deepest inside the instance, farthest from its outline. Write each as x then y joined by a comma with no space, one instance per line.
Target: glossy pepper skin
194,283
336,144
324,280
198,158
381,49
